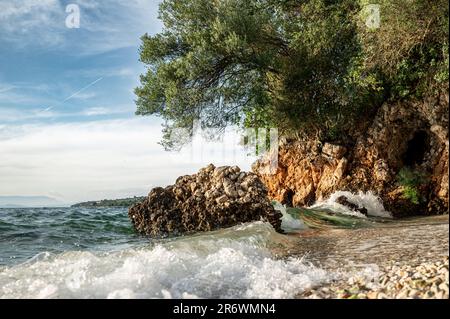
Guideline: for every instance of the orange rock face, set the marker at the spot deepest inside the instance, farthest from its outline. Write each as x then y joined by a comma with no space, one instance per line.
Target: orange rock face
413,135
304,174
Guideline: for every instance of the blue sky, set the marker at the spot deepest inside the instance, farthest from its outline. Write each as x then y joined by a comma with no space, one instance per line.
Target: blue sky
67,123
43,62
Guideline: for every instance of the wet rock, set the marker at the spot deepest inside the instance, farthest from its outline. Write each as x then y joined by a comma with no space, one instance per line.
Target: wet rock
344,201
215,197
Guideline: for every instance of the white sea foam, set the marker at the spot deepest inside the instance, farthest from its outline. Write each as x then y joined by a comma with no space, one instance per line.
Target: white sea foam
289,223
371,202
233,263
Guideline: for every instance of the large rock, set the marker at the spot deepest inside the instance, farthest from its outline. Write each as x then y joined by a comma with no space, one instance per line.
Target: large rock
211,199
411,134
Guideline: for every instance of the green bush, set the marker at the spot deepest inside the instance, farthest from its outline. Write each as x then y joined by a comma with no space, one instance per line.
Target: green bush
411,180
410,49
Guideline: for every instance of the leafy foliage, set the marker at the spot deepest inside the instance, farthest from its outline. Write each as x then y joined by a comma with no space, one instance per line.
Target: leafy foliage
411,180
410,49
310,66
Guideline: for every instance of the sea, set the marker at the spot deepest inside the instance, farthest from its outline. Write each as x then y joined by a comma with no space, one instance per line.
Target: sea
95,253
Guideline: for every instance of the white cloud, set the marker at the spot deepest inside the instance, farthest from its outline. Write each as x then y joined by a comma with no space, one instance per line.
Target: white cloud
95,160
96,111
23,7
21,93
105,25
103,72
13,95
118,24
4,88
16,114
22,19
84,96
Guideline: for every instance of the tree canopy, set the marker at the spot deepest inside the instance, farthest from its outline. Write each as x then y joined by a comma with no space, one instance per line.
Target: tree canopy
310,65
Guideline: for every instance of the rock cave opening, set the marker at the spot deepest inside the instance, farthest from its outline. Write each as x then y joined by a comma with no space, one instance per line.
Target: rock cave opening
288,199
418,146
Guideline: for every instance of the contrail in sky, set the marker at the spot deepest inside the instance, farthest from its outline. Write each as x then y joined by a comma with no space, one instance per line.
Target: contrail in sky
86,87
76,93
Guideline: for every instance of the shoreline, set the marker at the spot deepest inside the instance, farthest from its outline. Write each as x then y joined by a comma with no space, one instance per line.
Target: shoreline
411,261
406,258
427,280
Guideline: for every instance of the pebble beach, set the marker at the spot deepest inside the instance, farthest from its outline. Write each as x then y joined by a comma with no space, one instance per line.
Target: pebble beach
429,280
406,262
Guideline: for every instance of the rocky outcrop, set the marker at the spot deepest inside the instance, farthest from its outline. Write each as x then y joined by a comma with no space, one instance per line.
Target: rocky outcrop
304,173
352,206
403,134
215,197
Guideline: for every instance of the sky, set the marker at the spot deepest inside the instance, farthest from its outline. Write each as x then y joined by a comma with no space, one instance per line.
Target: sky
67,124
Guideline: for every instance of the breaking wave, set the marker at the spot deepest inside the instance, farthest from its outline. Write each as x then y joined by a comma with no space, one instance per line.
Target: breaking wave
368,200
233,263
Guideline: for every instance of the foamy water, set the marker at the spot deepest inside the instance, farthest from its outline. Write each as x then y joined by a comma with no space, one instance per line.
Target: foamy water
233,263
94,253
289,223
368,200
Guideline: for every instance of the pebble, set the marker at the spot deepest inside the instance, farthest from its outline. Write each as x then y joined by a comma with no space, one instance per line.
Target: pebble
426,281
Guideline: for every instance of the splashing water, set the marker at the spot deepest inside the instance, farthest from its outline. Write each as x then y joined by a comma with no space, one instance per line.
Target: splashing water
288,222
94,253
231,271
238,262
368,200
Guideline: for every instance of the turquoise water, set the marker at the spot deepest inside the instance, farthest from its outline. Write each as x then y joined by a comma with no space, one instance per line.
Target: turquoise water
94,253
25,232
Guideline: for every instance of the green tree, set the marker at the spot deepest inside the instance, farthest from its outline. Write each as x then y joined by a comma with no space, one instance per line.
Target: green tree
409,51
309,66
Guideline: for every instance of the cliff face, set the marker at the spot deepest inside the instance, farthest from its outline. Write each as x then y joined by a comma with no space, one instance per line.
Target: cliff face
403,134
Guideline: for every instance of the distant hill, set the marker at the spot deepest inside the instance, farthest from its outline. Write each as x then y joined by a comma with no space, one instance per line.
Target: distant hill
11,206
28,201
123,202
